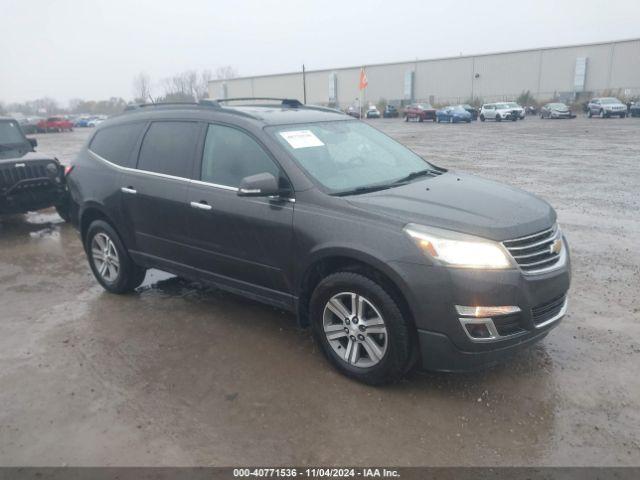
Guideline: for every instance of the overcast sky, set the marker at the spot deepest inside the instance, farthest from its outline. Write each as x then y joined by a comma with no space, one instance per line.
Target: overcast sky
92,49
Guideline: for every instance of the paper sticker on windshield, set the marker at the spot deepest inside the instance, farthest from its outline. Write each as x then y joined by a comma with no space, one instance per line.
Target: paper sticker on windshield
301,139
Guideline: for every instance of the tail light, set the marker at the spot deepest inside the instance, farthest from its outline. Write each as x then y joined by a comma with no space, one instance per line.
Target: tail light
67,169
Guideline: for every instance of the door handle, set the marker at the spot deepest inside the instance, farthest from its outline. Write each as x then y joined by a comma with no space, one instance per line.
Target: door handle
202,205
130,190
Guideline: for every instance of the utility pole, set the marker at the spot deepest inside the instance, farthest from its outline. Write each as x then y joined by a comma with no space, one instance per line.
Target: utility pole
304,84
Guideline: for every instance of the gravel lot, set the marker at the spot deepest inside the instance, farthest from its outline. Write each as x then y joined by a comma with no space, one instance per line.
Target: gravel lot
180,375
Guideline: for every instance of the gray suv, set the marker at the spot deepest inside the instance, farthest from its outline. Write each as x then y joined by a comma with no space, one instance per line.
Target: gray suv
606,107
390,260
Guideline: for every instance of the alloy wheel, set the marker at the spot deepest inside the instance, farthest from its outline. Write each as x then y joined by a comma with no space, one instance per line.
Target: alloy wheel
355,329
105,257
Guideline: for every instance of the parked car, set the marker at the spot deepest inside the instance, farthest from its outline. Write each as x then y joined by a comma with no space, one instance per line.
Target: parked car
390,111
373,112
390,259
95,121
498,112
556,110
472,110
28,180
515,107
453,114
606,107
634,109
54,124
353,112
82,122
29,125
420,112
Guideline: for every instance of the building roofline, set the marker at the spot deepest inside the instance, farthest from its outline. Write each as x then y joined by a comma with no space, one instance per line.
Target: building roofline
384,64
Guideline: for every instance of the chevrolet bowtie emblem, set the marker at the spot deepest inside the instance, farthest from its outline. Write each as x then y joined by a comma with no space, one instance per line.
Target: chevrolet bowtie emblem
556,246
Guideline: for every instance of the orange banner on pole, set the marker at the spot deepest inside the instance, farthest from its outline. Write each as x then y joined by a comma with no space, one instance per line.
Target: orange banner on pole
363,79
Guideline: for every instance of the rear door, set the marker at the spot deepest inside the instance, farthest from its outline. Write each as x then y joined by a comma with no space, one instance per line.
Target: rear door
154,194
244,242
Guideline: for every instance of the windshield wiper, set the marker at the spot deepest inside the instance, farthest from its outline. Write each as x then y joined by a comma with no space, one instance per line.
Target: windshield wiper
418,174
365,189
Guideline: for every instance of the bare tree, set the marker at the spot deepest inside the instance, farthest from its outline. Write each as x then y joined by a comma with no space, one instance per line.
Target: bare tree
142,87
225,72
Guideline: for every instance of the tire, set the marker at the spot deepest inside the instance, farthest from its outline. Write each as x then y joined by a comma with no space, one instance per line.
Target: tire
541,117
392,342
127,276
589,113
498,118
63,211
406,118
602,114
434,119
438,120
482,119
420,118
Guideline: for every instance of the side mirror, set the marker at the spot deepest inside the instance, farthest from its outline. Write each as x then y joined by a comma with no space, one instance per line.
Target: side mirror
33,142
259,185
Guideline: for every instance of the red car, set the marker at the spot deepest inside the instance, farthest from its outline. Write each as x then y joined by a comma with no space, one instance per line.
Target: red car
54,124
421,111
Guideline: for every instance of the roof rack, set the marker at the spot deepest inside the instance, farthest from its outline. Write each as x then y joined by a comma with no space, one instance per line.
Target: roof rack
285,102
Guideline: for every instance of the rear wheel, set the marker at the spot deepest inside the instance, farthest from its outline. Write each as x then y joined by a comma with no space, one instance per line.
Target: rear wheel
482,118
498,118
361,328
109,260
602,114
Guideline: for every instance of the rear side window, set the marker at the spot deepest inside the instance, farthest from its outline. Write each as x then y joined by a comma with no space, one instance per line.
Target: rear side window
168,148
230,155
116,143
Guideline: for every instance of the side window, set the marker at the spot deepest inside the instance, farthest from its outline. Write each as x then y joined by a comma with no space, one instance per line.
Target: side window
116,143
168,148
230,155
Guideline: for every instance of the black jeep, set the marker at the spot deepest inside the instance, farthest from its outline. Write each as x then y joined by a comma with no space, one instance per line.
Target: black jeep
28,180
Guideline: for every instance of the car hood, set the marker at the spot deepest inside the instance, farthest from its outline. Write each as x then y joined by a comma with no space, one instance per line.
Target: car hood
463,203
22,155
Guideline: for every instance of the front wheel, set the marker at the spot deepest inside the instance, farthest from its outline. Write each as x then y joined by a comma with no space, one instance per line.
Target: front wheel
360,328
498,118
602,114
109,260
482,119
589,114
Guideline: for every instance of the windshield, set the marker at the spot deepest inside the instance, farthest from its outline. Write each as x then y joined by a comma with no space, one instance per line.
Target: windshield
557,106
10,133
513,105
344,156
609,101
424,106
458,108
502,106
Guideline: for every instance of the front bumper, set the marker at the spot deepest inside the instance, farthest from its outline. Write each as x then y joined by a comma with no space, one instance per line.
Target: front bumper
433,293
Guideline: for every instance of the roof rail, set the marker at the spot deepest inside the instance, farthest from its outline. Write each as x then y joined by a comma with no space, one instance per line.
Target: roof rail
134,106
286,102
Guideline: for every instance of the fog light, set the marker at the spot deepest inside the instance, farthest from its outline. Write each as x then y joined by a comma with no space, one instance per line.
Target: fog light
482,312
478,330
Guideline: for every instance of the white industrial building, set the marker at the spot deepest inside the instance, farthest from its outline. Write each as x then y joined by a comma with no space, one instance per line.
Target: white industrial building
556,72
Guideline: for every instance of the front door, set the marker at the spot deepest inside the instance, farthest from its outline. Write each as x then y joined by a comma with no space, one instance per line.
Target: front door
243,242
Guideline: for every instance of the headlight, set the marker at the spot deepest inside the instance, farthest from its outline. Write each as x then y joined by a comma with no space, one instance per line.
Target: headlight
457,249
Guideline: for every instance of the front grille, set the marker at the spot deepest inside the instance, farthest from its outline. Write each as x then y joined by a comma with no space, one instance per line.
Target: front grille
536,252
10,174
548,310
508,324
